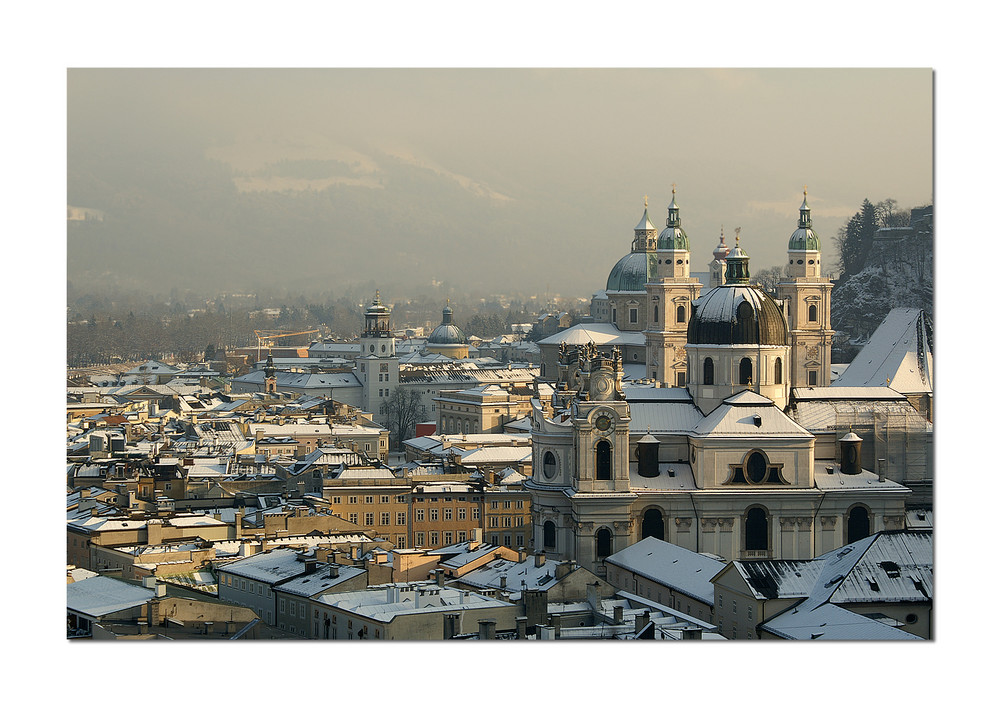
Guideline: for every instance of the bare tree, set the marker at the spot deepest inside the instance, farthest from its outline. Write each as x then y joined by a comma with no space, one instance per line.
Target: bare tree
402,410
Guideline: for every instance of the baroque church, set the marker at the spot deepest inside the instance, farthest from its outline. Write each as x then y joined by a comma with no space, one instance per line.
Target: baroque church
699,449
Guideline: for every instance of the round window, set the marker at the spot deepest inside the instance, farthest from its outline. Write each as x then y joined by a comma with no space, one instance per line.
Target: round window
911,618
680,262
800,262
372,348
756,468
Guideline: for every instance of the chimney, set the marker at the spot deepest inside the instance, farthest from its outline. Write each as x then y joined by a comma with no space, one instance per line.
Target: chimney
334,571
440,577
503,581
641,620
539,558
563,568
557,625
619,615
154,532
522,627
691,634
310,565
451,624
850,454
487,629
522,554
648,453
592,599
545,633
881,471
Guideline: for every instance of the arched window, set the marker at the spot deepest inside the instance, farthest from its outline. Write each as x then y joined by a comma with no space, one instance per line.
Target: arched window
812,313
681,314
652,524
603,460
777,370
858,524
708,372
656,312
549,535
755,533
746,371
549,465
603,539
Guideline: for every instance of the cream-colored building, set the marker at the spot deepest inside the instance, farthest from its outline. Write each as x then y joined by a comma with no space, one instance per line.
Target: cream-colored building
715,467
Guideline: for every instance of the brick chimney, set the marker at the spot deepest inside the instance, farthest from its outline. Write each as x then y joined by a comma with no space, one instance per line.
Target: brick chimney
487,629
539,558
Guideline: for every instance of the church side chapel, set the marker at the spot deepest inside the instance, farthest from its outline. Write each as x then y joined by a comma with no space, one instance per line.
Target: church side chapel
702,451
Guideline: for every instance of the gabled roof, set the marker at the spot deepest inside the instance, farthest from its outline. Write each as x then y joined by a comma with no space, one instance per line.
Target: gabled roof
672,566
100,596
737,417
899,351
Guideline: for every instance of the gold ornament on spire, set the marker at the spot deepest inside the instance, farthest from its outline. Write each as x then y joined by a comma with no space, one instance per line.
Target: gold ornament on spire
805,190
645,201
673,188
737,229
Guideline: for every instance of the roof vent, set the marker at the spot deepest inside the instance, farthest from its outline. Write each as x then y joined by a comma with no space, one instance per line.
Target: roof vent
829,470
757,421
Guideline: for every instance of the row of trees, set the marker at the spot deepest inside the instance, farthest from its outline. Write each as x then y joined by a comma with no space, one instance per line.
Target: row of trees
855,238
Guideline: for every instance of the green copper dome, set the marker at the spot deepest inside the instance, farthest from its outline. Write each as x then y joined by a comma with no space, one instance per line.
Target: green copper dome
631,273
804,238
673,237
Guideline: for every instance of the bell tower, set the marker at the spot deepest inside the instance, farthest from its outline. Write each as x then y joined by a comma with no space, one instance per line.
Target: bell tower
806,294
377,366
669,296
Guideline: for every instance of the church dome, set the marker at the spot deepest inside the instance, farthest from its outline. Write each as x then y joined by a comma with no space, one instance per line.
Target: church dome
631,273
804,238
446,332
737,314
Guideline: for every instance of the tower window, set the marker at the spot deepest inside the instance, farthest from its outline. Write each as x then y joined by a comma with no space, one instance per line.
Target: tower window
708,372
681,314
549,465
656,312
777,370
813,376
746,371
812,313
603,458
549,534
681,379
603,539
633,315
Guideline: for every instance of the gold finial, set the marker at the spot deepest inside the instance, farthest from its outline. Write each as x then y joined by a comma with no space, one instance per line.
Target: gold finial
737,229
645,200
673,188
805,190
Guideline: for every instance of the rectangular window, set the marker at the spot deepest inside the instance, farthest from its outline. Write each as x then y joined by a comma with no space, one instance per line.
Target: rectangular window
401,498
506,540
506,505
352,499
520,540
401,518
461,536
520,505
813,377
633,315
434,538
281,605
369,519
434,514
400,541
493,522
383,499
384,518
475,513
420,515
419,539
447,538
352,518
494,504
335,500
369,499
461,514
508,522
447,514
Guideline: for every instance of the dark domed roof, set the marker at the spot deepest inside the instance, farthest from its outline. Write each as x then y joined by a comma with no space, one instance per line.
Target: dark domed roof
631,273
737,314
446,332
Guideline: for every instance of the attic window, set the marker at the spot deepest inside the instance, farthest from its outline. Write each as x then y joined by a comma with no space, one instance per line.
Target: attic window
891,568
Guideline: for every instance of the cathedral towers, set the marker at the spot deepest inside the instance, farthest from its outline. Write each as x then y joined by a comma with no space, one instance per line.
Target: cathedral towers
806,294
669,296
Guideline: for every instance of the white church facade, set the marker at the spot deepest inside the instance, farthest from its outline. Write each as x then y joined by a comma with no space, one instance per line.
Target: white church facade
701,452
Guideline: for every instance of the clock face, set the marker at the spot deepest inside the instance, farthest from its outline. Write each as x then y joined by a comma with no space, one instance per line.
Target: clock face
603,423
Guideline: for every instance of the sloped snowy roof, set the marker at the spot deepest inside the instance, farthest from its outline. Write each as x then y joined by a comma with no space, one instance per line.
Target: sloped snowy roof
672,566
899,351
100,596
736,417
597,333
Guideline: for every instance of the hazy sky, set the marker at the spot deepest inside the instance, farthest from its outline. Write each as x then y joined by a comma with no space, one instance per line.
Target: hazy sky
559,159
